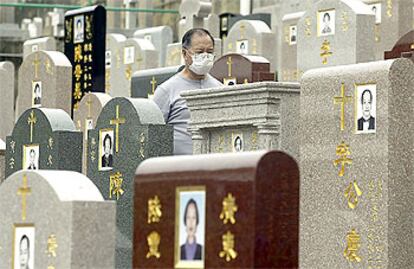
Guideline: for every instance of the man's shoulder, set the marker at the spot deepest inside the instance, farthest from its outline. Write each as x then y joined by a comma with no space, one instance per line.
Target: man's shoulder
171,82
213,81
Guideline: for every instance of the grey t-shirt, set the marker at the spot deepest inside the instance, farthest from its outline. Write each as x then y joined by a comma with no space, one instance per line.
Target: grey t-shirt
174,107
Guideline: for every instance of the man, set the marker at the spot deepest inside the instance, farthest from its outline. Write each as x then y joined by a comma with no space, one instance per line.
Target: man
238,146
191,250
107,156
32,160
326,23
197,51
36,91
366,122
24,252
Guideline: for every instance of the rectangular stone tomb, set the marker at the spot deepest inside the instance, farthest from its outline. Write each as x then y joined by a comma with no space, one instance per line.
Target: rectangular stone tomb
85,31
55,219
128,131
144,83
356,173
217,211
235,68
245,117
44,138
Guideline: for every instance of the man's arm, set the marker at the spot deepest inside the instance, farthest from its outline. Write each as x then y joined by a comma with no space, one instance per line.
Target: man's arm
162,99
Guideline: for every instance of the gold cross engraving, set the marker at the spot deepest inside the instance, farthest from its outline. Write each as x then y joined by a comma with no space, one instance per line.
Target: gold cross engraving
117,121
342,101
229,65
31,121
23,192
36,63
153,84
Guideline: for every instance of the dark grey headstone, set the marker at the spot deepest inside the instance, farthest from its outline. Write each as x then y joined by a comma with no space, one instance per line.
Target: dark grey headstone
141,135
56,143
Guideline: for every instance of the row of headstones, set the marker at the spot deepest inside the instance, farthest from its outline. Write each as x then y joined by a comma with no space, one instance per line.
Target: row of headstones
363,170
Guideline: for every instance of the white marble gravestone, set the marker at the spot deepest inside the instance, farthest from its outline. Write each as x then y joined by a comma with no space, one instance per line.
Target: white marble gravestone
36,44
160,37
245,117
7,98
252,37
44,81
55,219
346,36
86,115
289,69
115,82
356,172
393,19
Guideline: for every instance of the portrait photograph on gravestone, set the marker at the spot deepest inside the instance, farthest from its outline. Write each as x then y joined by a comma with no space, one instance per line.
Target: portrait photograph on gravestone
326,23
365,107
37,93
24,246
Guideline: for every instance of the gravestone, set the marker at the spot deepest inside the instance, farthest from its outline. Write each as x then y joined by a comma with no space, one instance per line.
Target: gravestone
85,118
246,209
266,18
235,68
115,82
144,82
403,48
44,138
335,32
85,31
393,19
289,68
251,37
160,37
127,132
36,44
245,117
7,98
138,54
356,187
44,81
224,24
174,52
55,219
2,160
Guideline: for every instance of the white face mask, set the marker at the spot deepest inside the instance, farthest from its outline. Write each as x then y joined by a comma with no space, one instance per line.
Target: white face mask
202,63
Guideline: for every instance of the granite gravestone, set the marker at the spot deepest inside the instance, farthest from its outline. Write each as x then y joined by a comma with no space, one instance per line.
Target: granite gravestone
393,19
404,48
2,160
174,52
247,204
7,98
115,82
335,32
36,44
356,187
85,117
138,54
289,68
85,31
44,138
55,219
160,37
251,37
44,81
245,117
144,83
235,68
127,132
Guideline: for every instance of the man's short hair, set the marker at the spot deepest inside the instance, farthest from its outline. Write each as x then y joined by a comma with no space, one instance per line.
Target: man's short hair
37,87
107,136
27,239
326,15
32,151
191,201
370,96
186,40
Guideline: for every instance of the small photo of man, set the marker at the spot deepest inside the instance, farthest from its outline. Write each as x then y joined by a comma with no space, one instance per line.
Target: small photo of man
78,33
24,247
376,10
31,157
366,109
326,23
37,93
